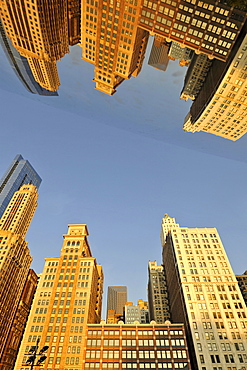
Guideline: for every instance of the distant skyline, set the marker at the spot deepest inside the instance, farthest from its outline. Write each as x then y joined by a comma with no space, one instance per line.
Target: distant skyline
119,164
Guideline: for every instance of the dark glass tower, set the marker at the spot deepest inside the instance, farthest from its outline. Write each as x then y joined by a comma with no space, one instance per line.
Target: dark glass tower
19,173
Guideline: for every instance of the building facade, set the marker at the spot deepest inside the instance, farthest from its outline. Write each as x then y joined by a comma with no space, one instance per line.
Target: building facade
20,172
195,76
157,294
68,296
209,28
15,257
14,338
21,67
39,32
116,298
158,57
137,312
221,106
205,296
137,346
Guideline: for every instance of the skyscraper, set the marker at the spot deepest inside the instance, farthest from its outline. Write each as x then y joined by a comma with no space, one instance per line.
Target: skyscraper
157,294
205,296
15,258
20,66
19,173
116,298
69,295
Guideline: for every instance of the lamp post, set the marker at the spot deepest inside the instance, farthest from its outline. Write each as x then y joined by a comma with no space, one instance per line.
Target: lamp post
34,350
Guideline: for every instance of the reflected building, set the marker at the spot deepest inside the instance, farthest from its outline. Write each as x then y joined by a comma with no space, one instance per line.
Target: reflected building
221,105
183,54
205,296
21,67
15,259
112,41
20,172
39,32
210,28
158,57
68,297
195,76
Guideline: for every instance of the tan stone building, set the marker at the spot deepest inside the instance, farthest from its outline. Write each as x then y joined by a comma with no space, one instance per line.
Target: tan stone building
15,260
221,108
205,296
112,41
39,32
69,295
136,346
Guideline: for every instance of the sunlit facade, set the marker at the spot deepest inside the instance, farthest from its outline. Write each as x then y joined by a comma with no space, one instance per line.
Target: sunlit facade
112,41
15,334
39,32
69,295
221,108
137,346
15,256
207,27
205,296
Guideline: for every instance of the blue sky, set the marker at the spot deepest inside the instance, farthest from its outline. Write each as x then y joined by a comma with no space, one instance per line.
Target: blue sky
118,164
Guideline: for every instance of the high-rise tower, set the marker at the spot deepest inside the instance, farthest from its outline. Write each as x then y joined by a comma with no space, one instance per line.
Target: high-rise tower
15,258
157,294
205,296
68,296
116,298
20,172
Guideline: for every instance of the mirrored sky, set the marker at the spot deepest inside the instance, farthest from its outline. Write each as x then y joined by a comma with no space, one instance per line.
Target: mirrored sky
118,163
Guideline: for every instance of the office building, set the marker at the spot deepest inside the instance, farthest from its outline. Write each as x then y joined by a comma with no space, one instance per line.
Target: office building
157,294
158,57
209,28
15,256
39,32
21,67
195,76
137,312
68,296
137,346
112,41
116,298
14,337
20,172
183,54
242,282
221,106
205,296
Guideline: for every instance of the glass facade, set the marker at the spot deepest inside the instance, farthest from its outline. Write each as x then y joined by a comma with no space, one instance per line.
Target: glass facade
19,173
